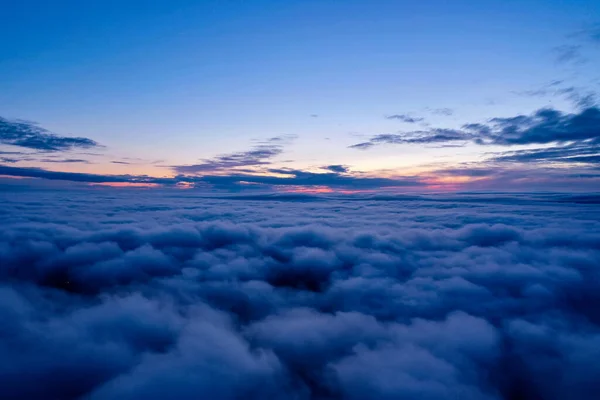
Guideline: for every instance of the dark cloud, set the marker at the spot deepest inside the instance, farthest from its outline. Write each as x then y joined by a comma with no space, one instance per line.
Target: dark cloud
29,135
337,168
575,136
405,118
543,126
573,153
171,295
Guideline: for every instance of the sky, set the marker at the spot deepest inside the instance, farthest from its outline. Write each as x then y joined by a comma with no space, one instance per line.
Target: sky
302,95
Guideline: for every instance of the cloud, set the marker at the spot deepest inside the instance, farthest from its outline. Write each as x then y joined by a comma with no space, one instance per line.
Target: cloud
572,153
9,160
581,40
29,135
580,97
259,155
337,168
429,136
78,176
64,160
363,145
543,126
405,118
18,156
576,136
304,178
471,296
590,33
442,111
229,181
569,54
473,171
520,175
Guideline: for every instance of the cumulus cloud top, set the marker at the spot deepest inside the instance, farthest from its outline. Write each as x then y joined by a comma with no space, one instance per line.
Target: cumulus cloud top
181,296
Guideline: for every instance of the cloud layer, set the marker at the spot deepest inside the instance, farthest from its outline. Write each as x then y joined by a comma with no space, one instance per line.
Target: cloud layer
170,295
232,181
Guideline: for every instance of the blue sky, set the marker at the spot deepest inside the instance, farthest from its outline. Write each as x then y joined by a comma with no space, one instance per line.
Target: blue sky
180,83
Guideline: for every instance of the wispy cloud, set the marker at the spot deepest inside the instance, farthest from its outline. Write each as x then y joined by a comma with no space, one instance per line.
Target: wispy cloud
588,153
64,160
434,135
569,54
405,118
580,44
260,155
590,33
442,111
580,97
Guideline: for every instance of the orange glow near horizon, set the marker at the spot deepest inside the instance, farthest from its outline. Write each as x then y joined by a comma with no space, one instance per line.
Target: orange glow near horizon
449,183
457,179
318,190
185,185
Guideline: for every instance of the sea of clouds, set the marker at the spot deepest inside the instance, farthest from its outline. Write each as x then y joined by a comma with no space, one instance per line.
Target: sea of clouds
151,294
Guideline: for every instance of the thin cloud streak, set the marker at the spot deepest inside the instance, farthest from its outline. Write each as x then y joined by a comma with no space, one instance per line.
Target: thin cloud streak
260,155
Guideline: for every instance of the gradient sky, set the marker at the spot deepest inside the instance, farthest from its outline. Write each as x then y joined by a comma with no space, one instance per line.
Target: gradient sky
220,92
